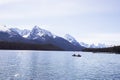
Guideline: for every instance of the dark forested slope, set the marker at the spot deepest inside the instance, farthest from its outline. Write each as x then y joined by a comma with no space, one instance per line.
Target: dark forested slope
26,46
115,49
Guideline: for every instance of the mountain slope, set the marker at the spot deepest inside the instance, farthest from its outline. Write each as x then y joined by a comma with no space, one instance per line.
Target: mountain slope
40,35
11,39
8,35
73,41
45,37
24,33
26,46
58,41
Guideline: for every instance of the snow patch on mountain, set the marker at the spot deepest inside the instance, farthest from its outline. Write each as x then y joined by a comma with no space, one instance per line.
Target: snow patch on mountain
25,33
26,36
71,40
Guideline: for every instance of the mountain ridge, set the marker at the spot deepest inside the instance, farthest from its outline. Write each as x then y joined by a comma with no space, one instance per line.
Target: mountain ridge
37,36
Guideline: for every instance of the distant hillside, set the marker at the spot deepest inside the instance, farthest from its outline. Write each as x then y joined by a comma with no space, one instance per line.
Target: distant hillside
26,46
115,49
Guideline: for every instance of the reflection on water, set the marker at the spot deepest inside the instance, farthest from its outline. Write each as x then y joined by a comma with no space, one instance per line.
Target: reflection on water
44,65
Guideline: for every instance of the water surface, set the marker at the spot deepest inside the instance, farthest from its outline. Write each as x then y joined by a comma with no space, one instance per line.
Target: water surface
55,65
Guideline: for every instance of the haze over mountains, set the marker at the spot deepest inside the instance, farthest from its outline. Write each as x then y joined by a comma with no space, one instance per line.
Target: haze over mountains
42,37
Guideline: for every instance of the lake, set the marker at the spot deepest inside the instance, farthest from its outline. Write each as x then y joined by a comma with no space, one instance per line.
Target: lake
58,65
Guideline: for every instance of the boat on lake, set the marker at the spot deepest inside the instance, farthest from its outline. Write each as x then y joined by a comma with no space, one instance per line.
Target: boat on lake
78,55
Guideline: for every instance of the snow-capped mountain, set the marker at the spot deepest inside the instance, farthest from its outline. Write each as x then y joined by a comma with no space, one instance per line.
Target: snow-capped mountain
46,37
38,32
7,32
99,45
93,46
4,29
24,33
8,35
11,39
84,44
40,35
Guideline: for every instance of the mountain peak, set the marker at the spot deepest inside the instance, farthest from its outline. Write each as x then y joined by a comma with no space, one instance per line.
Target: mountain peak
36,27
4,28
39,33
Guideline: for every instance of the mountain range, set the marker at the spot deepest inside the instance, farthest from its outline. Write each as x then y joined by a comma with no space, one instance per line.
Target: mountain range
99,45
38,36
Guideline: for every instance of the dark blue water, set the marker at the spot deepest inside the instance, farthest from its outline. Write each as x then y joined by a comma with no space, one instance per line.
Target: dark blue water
45,65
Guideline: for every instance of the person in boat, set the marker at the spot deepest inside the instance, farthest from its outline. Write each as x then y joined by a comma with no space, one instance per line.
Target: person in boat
79,55
73,55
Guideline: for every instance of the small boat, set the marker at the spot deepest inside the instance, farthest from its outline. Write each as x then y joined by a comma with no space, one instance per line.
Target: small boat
74,55
78,55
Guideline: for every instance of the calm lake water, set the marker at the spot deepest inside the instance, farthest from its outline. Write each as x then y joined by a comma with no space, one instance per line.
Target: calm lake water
53,65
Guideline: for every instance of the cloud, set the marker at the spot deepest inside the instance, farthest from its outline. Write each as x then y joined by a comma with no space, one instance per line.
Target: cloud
38,8
10,16
21,9
2,2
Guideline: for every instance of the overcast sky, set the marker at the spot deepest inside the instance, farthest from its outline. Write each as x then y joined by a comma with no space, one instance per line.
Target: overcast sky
90,21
